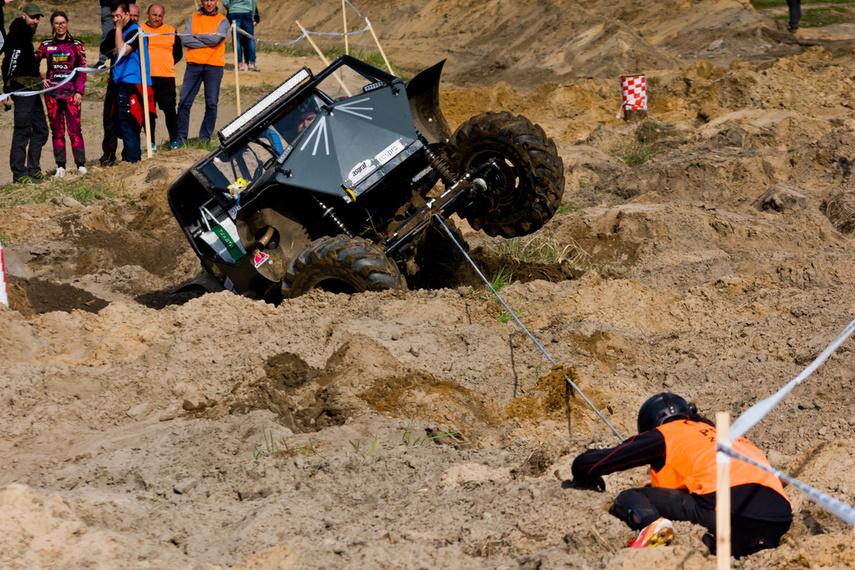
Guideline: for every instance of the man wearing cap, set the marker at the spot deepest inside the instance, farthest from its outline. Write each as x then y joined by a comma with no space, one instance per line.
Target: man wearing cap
164,50
204,36
20,74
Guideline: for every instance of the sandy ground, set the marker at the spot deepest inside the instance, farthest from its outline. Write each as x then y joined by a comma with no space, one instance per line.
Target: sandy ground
416,428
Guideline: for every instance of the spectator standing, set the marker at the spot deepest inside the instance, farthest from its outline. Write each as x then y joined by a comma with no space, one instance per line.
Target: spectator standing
63,54
21,73
106,23
204,37
795,8
128,78
164,52
244,13
111,130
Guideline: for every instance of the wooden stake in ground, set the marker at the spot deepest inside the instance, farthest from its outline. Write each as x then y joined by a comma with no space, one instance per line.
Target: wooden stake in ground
722,494
146,119
376,41
344,16
323,58
237,64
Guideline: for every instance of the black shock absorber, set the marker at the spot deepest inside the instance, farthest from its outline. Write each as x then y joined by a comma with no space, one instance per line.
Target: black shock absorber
441,166
327,212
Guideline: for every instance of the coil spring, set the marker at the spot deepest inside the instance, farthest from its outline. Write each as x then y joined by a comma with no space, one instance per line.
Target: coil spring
329,212
441,166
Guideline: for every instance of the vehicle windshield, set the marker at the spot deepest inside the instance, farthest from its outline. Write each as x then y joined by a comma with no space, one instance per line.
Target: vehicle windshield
231,173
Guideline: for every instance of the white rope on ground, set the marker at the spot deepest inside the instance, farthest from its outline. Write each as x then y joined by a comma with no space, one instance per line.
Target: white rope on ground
758,411
522,326
827,502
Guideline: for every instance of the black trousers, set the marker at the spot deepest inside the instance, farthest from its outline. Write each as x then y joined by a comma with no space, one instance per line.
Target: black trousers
640,507
29,135
795,8
164,98
111,134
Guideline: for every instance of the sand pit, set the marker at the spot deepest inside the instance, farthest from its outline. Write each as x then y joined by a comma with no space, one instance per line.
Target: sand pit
420,428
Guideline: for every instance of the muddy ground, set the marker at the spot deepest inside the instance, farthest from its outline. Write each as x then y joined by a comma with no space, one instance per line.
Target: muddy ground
420,429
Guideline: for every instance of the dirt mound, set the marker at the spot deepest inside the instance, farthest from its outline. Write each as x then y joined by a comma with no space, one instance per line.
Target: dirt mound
706,251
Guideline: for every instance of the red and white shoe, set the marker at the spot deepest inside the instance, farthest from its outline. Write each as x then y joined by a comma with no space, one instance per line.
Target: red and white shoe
658,533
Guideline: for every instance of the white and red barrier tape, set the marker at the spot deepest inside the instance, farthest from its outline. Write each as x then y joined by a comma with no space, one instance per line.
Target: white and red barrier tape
634,91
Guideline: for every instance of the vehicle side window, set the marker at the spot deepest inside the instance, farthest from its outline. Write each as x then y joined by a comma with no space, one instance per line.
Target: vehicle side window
298,119
247,165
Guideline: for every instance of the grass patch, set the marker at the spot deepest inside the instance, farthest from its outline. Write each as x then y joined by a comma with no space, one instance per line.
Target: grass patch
634,153
505,317
829,16
199,144
366,454
84,190
824,12
370,57
566,209
270,448
541,247
501,279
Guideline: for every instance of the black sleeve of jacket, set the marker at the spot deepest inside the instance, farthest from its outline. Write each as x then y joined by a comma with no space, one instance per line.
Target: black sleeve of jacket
177,49
646,448
108,46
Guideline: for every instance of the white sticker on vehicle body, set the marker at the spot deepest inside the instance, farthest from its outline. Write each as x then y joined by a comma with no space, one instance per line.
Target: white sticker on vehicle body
389,152
361,170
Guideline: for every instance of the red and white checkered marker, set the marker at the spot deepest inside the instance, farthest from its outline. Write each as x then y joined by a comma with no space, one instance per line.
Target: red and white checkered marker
634,91
4,298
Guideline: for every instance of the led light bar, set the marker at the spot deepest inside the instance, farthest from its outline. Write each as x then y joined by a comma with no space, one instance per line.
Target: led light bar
268,101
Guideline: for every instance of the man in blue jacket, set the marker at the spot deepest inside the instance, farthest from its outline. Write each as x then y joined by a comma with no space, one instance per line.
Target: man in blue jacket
128,80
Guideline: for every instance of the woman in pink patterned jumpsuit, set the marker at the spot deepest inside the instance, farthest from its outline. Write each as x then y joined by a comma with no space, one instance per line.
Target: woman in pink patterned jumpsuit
63,54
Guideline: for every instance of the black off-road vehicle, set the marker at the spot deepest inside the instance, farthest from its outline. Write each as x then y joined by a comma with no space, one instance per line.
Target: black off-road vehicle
329,180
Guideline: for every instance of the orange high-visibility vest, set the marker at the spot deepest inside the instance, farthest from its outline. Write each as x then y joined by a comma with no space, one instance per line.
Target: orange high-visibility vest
202,24
690,460
160,50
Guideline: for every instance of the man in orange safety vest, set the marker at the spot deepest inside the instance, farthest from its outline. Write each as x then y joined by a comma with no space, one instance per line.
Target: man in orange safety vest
680,447
164,50
204,37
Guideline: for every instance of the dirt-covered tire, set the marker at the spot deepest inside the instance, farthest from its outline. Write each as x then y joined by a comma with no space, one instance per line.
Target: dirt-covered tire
341,264
528,184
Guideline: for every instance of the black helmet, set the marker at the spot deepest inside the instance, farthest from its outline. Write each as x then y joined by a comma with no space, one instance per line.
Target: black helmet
663,408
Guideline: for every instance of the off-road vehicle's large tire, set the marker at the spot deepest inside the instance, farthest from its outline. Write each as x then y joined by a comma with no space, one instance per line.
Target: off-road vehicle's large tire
529,181
341,264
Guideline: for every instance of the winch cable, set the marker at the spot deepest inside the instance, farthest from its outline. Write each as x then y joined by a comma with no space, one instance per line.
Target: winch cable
522,326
